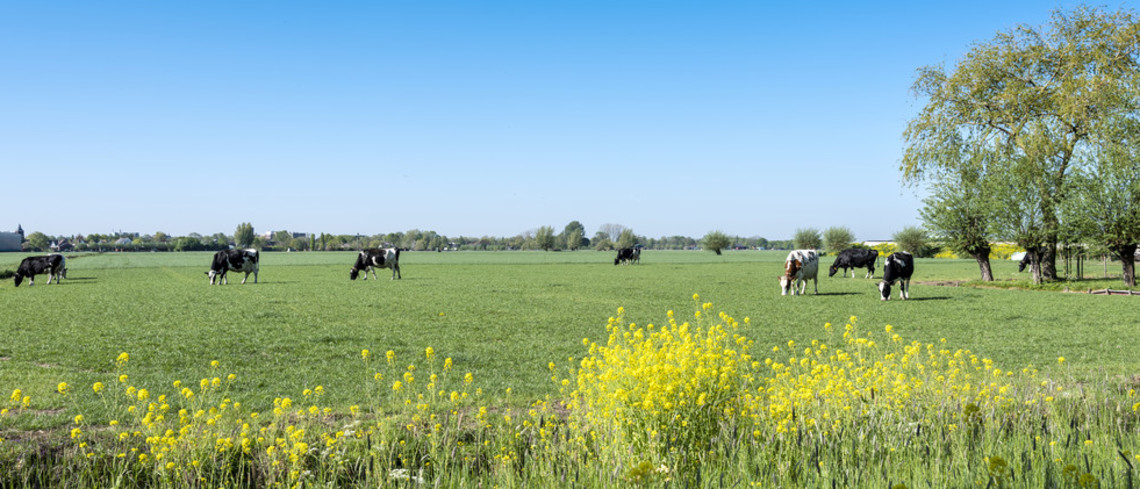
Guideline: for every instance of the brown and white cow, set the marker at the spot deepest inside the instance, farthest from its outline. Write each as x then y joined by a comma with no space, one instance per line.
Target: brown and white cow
799,267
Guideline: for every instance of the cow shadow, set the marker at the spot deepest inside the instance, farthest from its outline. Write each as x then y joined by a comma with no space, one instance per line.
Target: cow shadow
939,298
840,293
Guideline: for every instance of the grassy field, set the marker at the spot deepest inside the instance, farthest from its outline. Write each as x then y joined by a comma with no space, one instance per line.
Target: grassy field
501,316
869,410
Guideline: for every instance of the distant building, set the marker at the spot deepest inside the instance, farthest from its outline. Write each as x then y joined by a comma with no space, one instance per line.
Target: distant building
62,245
12,241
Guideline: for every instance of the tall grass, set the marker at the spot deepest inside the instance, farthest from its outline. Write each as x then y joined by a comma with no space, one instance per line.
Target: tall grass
684,404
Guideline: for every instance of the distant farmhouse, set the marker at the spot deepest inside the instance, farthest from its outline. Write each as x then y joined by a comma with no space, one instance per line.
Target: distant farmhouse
12,241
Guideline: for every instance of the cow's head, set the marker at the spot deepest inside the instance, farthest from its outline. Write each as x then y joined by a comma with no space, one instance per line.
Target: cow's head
786,283
831,271
353,273
885,290
19,278
212,273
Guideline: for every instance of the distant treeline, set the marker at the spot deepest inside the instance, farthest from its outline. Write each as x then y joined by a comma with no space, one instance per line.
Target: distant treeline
415,240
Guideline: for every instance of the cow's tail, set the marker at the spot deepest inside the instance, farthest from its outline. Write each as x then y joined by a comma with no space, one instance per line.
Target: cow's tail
397,255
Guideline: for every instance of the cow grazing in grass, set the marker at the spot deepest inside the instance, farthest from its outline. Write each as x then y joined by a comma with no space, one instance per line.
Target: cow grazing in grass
53,265
898,268
1027,259
233,261
855,258
801,266
628,255
370,260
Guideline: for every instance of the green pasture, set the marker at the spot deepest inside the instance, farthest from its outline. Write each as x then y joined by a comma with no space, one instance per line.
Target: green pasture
501,315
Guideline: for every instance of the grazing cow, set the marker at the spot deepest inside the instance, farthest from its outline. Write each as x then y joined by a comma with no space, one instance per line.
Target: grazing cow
855,258
630,255
1027,259
53,265
801,266
61,270
898,268
233,261
370,260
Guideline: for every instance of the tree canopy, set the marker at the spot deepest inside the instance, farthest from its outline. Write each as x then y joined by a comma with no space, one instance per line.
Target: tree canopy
1030,106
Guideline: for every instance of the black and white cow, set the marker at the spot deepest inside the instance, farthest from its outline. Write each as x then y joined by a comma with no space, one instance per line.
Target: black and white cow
233,261
898,268
1027,259
370,260
855,258
53,265
61,269
799,267
628,255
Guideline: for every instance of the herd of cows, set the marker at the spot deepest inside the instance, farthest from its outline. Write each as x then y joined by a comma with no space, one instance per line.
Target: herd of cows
803,265
799,267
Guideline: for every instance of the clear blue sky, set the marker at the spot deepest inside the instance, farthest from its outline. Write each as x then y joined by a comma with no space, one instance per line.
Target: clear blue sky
470,118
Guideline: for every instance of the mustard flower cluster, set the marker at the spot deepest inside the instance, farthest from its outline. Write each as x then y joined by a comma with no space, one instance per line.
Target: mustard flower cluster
819,386
664,387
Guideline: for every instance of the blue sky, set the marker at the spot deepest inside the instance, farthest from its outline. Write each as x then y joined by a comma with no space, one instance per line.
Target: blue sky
470,118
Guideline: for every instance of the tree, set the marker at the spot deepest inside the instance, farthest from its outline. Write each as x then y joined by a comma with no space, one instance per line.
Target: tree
38,241
601,241
574,239
1035,100
961,212
715,241
912,239
626,239
612,231
807,239
282,237
243,235
574,235
1106,204
160,237
544,238
837,238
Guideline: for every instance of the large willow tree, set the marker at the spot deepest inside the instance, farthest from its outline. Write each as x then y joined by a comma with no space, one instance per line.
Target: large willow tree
1028,104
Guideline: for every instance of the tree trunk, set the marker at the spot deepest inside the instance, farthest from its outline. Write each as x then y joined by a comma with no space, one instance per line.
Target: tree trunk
1127,255
1048,259
984,266
1035,264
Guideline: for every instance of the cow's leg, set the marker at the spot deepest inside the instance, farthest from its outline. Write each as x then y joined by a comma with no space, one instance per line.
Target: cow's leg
255,275
396,272
50,276
815,281
246,277
904,289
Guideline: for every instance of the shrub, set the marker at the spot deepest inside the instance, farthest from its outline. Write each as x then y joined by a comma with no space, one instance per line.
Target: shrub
807,239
